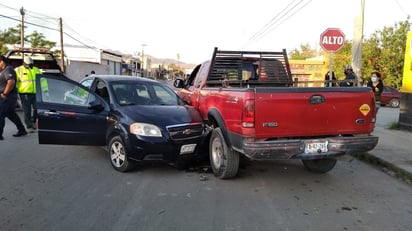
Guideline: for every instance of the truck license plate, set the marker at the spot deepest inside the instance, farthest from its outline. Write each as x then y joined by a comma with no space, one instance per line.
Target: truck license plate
316,146
187,148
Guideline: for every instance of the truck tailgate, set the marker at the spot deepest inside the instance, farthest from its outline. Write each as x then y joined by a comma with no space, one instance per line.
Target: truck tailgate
306,112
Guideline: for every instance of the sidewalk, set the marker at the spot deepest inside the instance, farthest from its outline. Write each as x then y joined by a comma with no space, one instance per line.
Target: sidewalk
393,152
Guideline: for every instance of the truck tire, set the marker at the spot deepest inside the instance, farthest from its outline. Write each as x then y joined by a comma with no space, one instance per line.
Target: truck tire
320,165
118,155
223,160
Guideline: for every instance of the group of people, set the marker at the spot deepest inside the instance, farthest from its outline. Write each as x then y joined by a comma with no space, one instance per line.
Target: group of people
20,81
349,81
375,82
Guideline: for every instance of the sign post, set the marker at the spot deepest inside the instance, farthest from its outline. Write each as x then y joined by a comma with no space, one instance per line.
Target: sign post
332,40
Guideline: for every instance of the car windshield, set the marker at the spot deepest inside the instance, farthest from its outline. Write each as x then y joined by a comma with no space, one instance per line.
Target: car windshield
133,93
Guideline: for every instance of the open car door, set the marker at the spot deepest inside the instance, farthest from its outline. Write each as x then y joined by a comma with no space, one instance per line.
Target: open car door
69,113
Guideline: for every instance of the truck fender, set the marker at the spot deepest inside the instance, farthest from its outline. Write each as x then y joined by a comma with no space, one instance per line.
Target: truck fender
216,120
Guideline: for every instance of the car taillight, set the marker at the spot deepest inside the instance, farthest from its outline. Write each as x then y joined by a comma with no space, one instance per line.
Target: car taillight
248,115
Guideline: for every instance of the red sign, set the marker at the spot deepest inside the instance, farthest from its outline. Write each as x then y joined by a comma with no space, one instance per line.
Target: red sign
332,39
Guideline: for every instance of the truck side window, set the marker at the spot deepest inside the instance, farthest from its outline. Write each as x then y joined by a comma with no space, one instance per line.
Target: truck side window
190,81
202,74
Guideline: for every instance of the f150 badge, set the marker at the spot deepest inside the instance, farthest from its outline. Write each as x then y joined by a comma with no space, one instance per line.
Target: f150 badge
270,125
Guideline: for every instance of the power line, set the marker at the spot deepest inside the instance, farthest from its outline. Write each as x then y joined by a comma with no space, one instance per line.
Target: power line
8,7
9,17
278,19
47,20
401,8
49,28
46,27
66,26
281,22
268,24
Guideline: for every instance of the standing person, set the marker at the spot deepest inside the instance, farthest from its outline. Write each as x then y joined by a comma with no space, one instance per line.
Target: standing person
26,86
8,98
376,84
328,81
350,77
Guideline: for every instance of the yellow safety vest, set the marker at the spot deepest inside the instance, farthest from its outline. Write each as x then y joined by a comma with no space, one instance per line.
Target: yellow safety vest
26,79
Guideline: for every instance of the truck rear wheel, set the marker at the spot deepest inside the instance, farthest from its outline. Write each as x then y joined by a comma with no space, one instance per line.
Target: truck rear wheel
320,165
223,160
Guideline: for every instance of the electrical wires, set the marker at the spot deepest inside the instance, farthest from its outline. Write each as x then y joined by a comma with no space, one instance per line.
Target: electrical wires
47,22
290,10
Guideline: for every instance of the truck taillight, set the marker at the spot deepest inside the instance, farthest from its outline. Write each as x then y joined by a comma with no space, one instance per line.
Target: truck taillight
248,116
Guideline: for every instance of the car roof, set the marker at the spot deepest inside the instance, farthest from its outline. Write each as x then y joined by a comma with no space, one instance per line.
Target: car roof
112,78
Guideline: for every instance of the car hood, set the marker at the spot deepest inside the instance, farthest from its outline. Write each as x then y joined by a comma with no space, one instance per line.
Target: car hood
162,115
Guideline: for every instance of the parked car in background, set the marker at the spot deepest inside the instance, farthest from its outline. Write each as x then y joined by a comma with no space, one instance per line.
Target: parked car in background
138,119
390,97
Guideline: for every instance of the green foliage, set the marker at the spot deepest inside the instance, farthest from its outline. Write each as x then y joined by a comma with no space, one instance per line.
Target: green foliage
12,36
340,59
383,51
305,52
9,36
388,50
37,39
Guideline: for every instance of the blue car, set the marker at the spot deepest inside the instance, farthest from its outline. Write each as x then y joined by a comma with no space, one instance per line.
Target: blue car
137,119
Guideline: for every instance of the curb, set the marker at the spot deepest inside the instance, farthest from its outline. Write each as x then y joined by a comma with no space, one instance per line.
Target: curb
387,167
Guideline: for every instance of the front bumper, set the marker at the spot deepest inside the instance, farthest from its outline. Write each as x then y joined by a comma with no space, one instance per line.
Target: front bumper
295,148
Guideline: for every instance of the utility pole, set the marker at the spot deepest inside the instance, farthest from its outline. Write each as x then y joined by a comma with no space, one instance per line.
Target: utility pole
143,45
357,43
22,28
61,46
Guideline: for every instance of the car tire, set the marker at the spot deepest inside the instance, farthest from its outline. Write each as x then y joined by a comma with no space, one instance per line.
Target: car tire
118,155
394,102
320,165
223,160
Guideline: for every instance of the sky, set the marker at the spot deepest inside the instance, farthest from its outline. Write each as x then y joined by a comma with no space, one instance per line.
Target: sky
189,30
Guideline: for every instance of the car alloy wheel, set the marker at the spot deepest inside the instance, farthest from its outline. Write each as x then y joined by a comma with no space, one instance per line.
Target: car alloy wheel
118,155
394,103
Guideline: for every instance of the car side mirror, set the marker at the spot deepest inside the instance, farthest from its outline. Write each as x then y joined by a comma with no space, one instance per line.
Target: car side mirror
179,83
96,106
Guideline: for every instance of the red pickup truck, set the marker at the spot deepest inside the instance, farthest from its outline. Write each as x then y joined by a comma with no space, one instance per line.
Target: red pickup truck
253,109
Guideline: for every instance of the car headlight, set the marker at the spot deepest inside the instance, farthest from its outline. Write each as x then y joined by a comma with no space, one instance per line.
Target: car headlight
143,129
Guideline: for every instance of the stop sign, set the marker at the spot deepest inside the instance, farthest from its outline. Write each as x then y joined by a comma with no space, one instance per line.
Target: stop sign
332,39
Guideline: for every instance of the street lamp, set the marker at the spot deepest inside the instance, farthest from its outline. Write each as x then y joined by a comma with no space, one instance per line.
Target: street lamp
142,56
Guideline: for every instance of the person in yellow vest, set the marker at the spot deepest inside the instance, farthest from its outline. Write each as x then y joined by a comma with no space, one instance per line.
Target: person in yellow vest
26,86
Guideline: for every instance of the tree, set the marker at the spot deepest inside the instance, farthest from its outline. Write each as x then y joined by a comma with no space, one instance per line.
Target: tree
340,59
12,36
9,36
306,51
37,39
386,52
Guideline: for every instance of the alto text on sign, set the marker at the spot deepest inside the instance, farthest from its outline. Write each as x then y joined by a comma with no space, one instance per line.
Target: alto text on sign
332,39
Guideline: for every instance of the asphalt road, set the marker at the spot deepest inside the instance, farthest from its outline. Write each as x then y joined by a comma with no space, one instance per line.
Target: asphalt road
51,187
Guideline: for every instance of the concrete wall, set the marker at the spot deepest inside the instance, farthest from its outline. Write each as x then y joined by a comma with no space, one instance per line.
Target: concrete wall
82,60
77,70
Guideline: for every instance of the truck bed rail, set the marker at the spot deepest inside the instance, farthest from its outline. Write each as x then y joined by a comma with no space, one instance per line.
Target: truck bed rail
229,68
